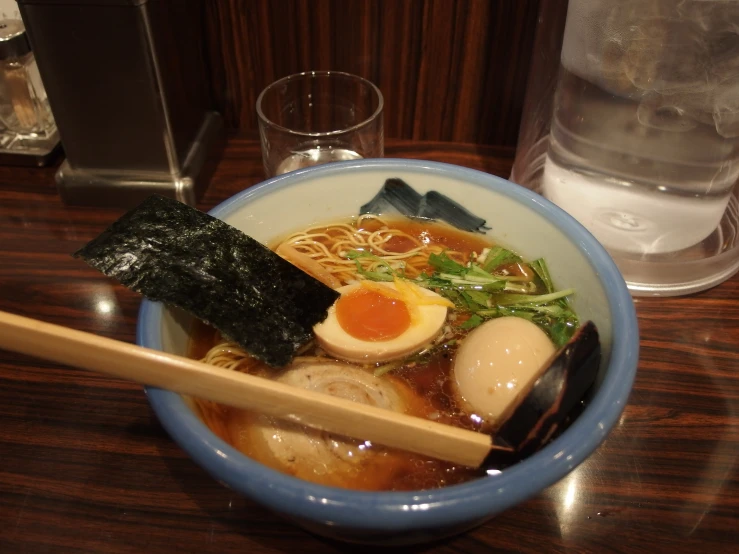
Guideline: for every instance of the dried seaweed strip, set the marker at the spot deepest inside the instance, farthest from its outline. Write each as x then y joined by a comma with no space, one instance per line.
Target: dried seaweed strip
175,254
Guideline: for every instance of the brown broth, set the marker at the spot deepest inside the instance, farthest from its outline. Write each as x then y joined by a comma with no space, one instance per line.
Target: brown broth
430,381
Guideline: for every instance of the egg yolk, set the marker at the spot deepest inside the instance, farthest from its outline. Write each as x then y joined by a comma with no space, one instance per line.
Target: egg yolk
369,315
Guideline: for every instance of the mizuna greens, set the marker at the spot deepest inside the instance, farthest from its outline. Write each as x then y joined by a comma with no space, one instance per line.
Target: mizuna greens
494,283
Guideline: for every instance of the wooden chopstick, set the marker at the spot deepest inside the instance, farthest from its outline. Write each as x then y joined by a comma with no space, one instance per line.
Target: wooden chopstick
185,376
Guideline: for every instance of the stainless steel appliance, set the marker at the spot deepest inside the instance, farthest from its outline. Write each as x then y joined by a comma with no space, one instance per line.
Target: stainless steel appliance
127,85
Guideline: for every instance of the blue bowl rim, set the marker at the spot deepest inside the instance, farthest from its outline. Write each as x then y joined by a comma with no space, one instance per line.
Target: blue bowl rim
415,510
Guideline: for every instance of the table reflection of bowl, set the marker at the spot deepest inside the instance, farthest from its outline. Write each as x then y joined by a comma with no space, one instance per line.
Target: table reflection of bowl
516,218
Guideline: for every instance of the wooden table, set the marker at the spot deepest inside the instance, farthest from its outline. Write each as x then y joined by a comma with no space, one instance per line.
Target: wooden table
85,467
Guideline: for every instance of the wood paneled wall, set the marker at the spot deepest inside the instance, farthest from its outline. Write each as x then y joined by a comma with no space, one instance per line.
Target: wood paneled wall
450,70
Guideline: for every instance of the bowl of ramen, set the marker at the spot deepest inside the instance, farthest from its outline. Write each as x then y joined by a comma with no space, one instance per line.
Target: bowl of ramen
454,288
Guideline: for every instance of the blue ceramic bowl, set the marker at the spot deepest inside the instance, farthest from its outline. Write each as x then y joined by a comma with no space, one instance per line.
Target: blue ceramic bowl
519,219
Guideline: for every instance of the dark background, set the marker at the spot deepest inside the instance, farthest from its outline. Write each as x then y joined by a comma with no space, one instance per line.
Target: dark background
450,70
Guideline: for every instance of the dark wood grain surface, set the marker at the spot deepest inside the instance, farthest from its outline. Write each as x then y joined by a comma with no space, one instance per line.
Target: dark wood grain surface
451,70
85,467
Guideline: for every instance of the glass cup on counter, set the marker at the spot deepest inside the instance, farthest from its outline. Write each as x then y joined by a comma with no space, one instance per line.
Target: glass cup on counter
642,146
317,117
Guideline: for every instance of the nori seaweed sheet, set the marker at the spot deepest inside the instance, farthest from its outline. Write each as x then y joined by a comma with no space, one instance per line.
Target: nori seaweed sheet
175,254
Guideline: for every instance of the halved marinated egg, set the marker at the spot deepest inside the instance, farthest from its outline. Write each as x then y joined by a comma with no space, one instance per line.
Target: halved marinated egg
376,322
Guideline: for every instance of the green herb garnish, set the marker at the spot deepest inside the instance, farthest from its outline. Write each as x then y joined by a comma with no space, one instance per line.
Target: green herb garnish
478,289
498,256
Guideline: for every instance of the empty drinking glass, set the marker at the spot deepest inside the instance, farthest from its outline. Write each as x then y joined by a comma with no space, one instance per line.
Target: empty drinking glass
317,117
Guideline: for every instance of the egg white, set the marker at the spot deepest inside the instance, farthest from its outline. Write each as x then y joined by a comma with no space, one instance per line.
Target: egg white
337,342
496,363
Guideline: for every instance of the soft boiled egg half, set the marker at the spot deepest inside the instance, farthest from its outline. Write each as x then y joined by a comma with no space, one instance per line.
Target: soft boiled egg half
376,322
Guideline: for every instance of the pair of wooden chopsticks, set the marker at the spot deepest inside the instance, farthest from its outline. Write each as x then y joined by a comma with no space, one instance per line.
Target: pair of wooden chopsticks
185,376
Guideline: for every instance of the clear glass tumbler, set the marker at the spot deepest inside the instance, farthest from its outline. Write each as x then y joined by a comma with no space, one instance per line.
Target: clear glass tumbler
318,117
